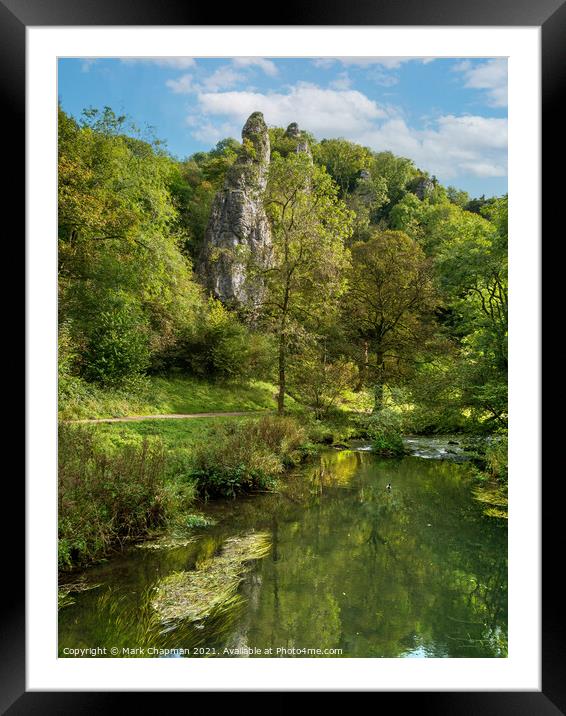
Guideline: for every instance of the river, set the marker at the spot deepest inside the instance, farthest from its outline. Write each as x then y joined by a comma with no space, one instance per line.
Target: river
348,568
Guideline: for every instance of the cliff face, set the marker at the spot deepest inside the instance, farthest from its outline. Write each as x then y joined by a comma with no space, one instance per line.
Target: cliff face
238,226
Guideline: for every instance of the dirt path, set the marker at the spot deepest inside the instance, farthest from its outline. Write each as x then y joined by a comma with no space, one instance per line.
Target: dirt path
173,416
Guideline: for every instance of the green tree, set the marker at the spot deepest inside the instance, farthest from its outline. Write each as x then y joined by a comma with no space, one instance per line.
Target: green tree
306,276
320,382
397,172
118,346
457,196
365,200
219,345
344,161
469,251
388,305
119,234
473,272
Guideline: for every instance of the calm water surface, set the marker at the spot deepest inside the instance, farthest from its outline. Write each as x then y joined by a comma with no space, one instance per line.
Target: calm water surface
415,571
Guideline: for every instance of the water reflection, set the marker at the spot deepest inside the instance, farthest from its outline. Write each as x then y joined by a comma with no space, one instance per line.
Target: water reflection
413,572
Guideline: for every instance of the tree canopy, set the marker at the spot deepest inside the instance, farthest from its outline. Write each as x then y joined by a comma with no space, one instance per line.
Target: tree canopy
381,280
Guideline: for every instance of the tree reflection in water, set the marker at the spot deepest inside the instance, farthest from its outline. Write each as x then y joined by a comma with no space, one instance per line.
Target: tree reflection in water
414,571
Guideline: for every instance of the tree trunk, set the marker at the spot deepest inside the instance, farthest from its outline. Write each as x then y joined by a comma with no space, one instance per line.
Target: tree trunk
377,397
363,369
378,388
282,366
283,347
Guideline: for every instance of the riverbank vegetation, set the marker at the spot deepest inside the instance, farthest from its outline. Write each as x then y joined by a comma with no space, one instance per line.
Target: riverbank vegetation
122,483
385,313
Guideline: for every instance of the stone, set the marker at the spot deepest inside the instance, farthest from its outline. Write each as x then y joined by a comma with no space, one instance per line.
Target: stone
293,130
422,187
238,228
302,144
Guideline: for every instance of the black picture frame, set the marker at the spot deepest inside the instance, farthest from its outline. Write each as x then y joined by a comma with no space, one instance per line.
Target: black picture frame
550,16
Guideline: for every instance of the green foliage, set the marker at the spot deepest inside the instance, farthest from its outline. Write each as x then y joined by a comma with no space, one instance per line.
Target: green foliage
381,279
365,201
343,161
309,227
409,215
397,172
384,428
497,457
196,520
118,346
472,265
119,244
282,145
246,456
388,307
107,496
457,196
319,383
221,346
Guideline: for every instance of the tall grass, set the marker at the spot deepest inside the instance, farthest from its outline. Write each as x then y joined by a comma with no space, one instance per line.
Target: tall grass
116,487
246,455
107,497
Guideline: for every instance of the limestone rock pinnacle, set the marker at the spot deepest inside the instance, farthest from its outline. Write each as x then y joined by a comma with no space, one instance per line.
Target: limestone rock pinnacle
238,228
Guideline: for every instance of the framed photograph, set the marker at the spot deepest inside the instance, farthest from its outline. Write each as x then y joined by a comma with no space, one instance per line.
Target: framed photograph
274,438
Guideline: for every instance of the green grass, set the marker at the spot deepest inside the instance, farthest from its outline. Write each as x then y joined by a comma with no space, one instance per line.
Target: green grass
159,395
120,482
110,494
175,434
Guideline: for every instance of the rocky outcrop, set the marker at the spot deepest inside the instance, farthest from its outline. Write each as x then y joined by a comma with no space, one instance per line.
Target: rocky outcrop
302,145
238,228
422,186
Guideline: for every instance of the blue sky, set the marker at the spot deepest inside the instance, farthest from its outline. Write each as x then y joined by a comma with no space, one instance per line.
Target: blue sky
448,115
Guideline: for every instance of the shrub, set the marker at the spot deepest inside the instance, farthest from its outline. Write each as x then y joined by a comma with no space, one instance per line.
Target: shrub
320,432
384,428
221,346
118,347
320,383
497,457
247,455
107,495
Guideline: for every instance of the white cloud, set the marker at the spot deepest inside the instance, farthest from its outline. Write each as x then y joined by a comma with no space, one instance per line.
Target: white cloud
451,147
325,112
490,76
342,82
177,63
484,169
267,66
380,70
222,78
390,63
182,85
381,77
448,147
209,133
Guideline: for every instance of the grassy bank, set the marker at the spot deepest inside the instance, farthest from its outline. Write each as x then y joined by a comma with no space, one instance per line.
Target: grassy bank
124,481
159,395
120,482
